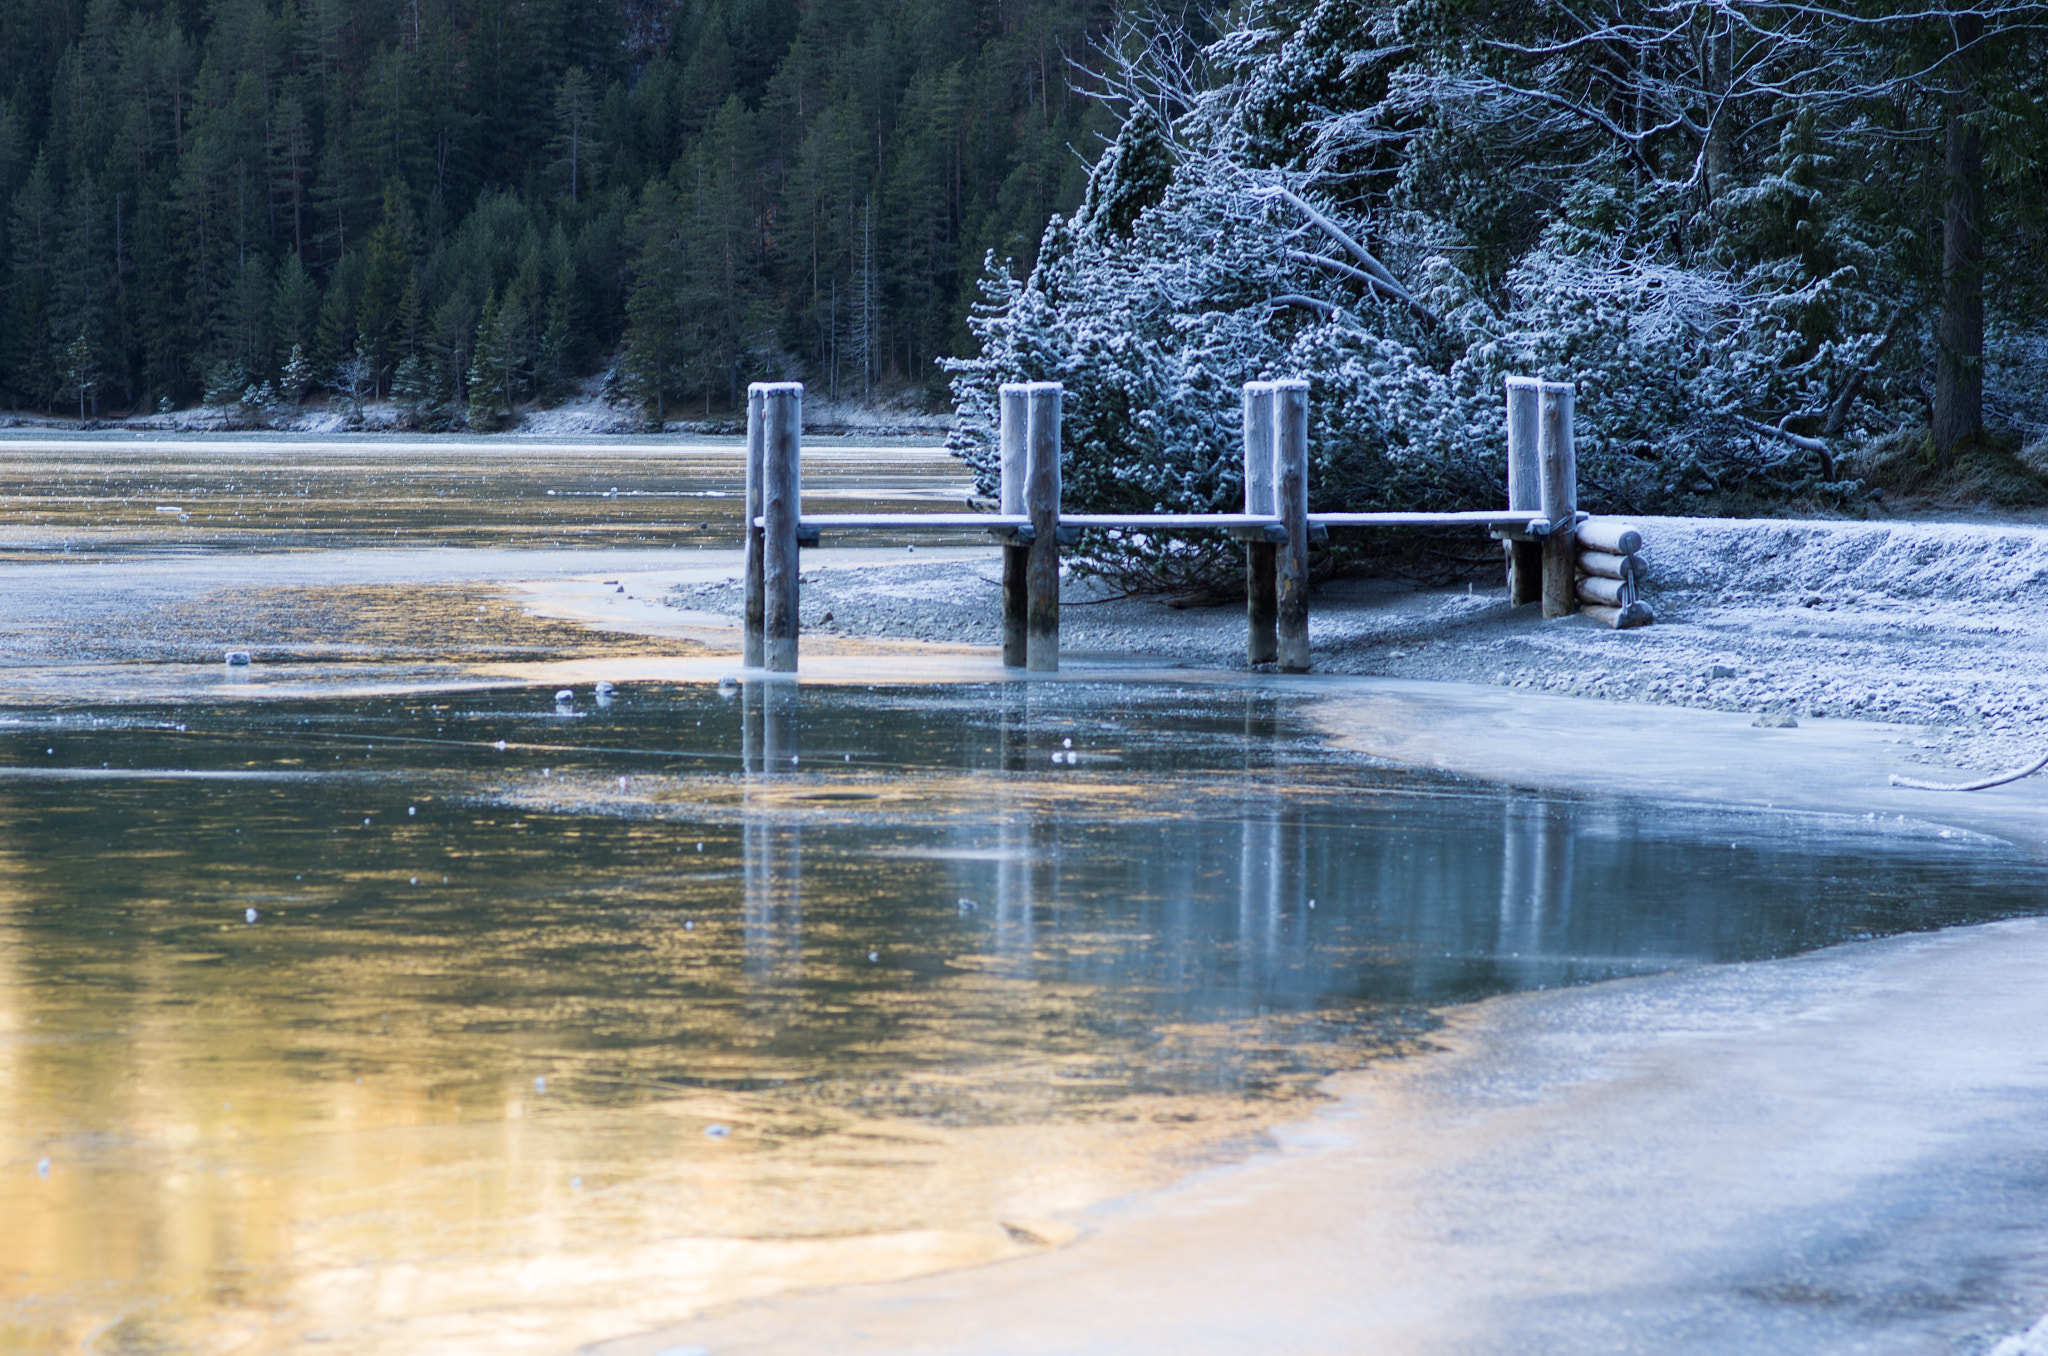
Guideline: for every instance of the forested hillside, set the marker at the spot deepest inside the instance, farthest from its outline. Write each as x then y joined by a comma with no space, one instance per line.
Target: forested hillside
1768,239
468,204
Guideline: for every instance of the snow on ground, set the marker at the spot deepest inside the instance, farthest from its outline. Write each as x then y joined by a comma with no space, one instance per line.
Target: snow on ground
1940,628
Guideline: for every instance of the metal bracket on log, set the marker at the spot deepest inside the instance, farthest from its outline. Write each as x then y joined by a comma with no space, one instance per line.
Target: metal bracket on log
1536,530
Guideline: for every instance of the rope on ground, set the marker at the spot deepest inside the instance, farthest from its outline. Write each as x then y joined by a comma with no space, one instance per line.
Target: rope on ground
1986,785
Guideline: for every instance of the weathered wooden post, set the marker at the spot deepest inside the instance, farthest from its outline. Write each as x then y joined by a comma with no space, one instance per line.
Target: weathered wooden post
1016,415
754,646
782,405
1290,473
1559,465
1525,488
1261,556
1042,502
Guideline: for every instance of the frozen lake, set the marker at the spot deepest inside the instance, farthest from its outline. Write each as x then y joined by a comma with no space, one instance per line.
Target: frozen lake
478,1022
344,1002
96,496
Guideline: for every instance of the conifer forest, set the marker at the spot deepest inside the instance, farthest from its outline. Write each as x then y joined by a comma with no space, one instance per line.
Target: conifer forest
467,205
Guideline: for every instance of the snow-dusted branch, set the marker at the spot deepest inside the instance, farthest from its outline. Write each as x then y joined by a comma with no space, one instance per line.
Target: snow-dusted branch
1307,303
1378,288
1380,276
1779,431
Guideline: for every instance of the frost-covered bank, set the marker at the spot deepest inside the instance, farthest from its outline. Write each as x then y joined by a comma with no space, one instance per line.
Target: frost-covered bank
1934,625
1937,628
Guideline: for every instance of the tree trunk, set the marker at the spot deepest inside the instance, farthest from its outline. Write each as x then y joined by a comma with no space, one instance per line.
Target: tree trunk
1959,332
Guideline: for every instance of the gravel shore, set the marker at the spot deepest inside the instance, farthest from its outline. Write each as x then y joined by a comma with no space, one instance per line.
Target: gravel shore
1939,628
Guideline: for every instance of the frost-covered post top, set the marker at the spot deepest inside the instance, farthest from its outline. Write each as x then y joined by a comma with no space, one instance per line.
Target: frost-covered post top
1258,447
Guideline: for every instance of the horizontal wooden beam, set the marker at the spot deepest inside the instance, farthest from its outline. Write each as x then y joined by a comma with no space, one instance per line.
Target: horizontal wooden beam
1169,522
1242,524
1470,518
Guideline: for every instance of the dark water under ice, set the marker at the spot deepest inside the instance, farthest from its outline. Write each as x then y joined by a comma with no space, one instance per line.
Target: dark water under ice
287,991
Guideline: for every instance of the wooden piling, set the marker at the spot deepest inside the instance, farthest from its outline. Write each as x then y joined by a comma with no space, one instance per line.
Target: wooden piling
781,510
754,645
1559,468
1016,415
1042,502
1525,488
1290,474
1261,558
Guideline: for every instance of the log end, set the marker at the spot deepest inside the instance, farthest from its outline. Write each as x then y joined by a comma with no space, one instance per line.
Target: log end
1624,618
1610,535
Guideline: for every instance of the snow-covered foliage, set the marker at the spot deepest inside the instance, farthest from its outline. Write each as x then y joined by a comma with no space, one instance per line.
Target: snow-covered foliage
1710,216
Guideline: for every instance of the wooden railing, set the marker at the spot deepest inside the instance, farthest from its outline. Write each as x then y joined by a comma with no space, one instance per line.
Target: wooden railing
1554,553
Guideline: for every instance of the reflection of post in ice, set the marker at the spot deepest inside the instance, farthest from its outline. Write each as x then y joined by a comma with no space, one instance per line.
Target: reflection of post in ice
1019,835
768,727
1014,724
750,727
1273,896
1261,729
772,915
1023,834
1535,881
1273,867
771,852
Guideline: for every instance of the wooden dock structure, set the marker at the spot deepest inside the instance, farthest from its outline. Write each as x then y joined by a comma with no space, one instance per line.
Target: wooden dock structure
1555,554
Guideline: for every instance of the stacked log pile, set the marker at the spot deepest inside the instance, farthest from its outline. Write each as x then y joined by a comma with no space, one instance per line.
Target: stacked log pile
1611,573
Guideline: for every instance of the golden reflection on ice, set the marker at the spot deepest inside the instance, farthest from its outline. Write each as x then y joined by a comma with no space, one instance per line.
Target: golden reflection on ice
235,1164
554,1026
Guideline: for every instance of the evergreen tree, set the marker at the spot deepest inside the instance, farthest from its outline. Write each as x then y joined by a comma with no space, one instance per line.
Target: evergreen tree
82,373
34,234
575,150
656,308
490,370
412,391
296,378
294,307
